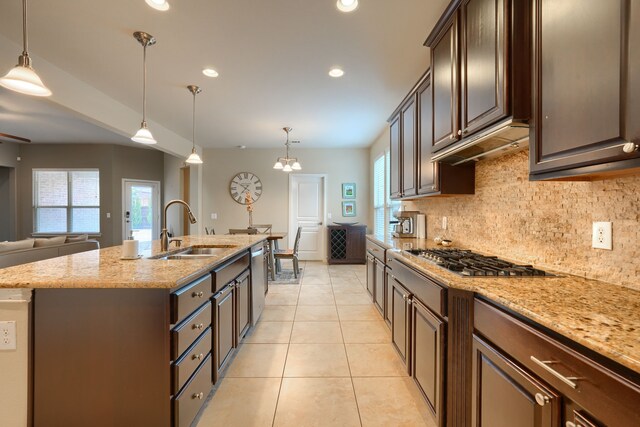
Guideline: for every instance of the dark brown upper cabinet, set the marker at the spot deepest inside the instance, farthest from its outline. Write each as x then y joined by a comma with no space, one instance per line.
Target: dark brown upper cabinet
395,161
409,148
586,88
481,76
444,81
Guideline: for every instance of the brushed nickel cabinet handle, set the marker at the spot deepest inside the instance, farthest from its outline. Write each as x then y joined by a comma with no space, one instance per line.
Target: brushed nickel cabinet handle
198,356
544,364
541,399
197,294
630,147
570,424
459,132
198,326
197,395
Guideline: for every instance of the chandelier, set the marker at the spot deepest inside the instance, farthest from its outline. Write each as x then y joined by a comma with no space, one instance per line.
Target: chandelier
288,164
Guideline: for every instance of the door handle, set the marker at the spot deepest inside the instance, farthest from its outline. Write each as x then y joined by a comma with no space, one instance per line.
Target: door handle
320,223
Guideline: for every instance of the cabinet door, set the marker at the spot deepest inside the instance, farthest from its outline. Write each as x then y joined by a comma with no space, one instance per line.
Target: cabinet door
582,85
395,160
388,309
224,328
427,170
409,138
371,273
504,395
400,319
483,62
444,80
379,290
243,306
427,357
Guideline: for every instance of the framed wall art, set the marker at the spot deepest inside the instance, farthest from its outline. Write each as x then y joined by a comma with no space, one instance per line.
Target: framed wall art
348,208
348,190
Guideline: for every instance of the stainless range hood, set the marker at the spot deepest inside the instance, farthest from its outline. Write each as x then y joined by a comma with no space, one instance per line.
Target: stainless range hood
508,135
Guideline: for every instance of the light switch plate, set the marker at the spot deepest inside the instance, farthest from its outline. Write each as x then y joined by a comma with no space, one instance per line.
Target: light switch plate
8,335
602,236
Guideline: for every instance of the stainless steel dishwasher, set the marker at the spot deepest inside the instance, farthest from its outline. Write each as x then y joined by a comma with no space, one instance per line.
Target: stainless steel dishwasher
258,281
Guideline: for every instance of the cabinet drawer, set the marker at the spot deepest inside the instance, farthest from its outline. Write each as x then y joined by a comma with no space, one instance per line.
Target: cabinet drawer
426,290
183,335
186,299
608,396
376,250
187,404
182,369
230,271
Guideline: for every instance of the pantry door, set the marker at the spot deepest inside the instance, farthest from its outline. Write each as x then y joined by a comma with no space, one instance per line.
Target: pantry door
307,210
141,210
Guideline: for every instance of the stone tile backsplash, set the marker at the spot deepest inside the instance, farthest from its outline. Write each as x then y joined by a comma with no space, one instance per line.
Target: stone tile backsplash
544,223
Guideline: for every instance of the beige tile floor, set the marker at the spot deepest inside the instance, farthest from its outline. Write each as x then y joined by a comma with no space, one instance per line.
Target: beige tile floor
321,355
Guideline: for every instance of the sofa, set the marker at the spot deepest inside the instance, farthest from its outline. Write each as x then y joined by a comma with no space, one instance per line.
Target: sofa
21,252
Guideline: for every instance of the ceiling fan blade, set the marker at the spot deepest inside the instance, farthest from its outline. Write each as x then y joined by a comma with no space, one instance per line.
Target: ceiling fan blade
16,138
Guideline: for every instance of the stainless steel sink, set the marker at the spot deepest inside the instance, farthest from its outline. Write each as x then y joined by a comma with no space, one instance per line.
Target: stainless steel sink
197,252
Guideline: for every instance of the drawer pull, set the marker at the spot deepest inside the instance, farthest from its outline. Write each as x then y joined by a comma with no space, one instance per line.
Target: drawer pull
544,364
630,147
197,294
198,326
197,395
570,424
198,356
541,399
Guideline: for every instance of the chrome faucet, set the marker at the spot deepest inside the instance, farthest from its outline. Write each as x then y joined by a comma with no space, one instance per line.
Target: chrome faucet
164,235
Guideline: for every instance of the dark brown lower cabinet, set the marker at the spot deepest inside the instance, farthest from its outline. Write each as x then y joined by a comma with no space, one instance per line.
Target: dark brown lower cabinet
428,356
400,300
388,310
379,294
371,273
224,328
504,395
242,293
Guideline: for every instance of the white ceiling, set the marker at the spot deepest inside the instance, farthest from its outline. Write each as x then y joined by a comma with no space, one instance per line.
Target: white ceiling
272,55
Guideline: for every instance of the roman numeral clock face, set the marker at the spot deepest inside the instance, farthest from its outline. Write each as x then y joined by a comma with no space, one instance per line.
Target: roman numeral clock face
243,183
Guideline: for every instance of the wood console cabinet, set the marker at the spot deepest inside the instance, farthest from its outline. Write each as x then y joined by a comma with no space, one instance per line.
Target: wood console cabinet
586,88
347,244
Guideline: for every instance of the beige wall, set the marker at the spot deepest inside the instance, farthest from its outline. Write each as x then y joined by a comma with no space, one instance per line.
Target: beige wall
8,190
220,165
114,162
545,223
173,190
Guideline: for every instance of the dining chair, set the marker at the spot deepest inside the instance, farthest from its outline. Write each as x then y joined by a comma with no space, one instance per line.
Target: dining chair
291,254
243,231
262,228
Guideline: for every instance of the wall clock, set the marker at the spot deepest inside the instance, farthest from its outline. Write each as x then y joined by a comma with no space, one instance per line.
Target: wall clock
243,183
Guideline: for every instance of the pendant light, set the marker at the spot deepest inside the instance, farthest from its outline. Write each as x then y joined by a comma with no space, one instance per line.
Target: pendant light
143,136
193,157
22,78
287,164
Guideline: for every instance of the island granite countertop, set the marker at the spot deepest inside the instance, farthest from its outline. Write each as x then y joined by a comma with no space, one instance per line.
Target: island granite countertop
104,268
601,316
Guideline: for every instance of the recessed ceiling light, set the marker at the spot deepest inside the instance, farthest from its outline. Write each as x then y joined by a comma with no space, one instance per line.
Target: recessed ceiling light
347,5
210,72
336,72
158,4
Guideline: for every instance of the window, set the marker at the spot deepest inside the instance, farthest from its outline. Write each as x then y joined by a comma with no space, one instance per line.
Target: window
383,206
66,201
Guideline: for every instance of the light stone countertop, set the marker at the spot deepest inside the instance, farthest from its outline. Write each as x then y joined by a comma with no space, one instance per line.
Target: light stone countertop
601,316
103,268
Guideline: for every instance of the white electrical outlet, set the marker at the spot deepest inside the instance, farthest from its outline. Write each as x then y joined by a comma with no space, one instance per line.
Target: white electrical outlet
214,216
329,215
8,335
108,215
601,238
444,222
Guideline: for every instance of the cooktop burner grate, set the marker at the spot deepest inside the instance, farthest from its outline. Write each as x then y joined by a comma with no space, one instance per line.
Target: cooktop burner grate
468,263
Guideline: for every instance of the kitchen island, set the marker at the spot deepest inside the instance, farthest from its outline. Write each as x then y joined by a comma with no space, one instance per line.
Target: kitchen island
133,342
562,348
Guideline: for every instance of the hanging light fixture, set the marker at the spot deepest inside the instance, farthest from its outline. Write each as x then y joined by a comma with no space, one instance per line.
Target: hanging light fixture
143,136
22,78
288,164
193,157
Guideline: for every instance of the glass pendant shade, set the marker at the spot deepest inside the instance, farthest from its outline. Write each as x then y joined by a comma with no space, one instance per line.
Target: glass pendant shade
287,168
162,5
278,165
24,80
143,136
296,166
193,158
347,5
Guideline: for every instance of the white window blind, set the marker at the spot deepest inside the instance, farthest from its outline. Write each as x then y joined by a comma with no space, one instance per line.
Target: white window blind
66,201
379,195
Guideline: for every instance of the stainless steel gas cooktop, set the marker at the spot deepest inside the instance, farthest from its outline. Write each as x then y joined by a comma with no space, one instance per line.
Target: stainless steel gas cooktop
468,263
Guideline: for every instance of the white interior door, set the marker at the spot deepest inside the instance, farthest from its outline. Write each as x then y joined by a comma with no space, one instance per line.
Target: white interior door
307,206
141,210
